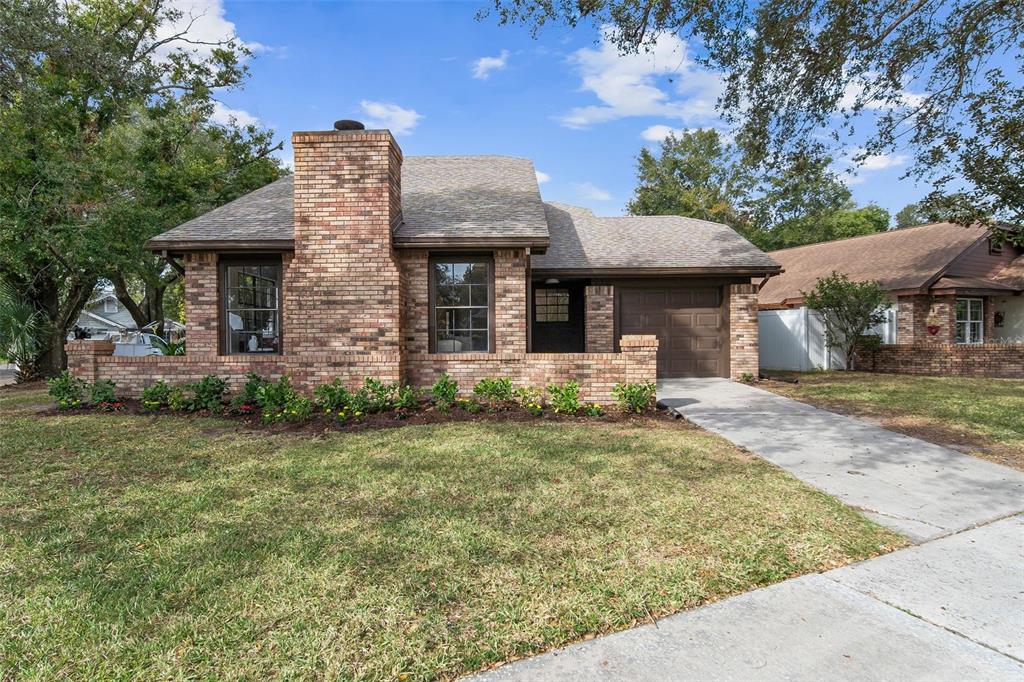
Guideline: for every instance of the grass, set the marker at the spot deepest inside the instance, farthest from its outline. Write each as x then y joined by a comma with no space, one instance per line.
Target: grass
170,547
984,417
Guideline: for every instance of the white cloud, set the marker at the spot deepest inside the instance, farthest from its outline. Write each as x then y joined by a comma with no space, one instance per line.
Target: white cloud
224,114
659,132
482,67
627,85
542,177
398,120
204,23
855,90
591,192
882,161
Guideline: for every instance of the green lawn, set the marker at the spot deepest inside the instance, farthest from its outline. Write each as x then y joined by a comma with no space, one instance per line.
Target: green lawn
982,416
170,547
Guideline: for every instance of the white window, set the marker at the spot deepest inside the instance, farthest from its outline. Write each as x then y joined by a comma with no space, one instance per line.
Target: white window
110,305
970,320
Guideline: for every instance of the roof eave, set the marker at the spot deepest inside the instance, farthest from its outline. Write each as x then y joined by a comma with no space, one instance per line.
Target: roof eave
535,244
223,245
640,271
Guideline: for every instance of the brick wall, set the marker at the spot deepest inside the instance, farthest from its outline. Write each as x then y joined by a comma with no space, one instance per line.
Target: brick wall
597,373
201,310
915,313
599,329
743,351
947,359
342,291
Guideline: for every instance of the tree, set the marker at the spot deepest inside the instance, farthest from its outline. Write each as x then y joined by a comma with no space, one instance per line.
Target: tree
70,73
941,79
910,215
694,175
20,332
848,309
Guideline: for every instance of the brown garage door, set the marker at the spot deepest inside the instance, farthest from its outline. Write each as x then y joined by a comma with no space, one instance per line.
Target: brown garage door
689,322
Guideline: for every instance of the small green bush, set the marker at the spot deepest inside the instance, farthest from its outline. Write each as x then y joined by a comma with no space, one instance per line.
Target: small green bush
593,410
443,392
67,391
332,397
471,405
496,393
747,378
530,399
282,403
565,399
103,393
380,397
207,394
180,398
635,397
407,398
249,399
156,396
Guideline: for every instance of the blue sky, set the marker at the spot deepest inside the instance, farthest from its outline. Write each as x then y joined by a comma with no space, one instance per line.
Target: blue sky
449,84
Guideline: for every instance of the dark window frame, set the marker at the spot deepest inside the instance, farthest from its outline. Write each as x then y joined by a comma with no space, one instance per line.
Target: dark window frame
556,308
224,326
458,257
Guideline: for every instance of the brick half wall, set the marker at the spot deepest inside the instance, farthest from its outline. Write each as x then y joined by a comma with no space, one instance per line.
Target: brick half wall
743,339
942,359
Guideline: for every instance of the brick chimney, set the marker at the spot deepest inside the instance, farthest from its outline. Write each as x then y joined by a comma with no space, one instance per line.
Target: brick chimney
342,285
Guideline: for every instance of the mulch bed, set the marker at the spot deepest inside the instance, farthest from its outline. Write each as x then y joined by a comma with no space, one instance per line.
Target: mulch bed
320,423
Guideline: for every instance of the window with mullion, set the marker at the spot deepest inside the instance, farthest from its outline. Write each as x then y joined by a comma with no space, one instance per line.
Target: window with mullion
461,305
251,307
970,320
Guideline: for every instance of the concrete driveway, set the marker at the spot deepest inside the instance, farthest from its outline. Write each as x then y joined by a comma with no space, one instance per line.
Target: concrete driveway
916,488
950,608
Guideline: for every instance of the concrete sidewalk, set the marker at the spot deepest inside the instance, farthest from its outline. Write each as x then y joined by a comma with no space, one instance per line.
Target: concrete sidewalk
949,609
916,488
910,615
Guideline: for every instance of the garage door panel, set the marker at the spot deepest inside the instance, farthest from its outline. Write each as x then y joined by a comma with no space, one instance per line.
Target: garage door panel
688,322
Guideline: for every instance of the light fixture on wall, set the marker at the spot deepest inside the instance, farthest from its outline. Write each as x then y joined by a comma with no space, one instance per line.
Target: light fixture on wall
551,280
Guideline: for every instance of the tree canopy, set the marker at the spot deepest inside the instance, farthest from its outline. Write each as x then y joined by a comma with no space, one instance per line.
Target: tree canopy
696,174
941,79
103,108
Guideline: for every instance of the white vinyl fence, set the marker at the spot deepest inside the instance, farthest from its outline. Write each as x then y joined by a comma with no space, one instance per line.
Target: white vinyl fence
794,339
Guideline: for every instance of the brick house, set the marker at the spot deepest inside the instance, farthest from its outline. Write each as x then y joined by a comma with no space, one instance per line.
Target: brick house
956,304
367,263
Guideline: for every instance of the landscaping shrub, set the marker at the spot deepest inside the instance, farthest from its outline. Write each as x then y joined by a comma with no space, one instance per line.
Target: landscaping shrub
593,410
443,392
103,395
207,394
635,397
471,405
496,393
380,397
281,402
747,378
407,399
180,398
565,399
333,398
67,391
249,399
530,399
156,396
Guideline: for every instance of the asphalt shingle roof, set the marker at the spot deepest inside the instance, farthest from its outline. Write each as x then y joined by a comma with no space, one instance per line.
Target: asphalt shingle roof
908,258
581,240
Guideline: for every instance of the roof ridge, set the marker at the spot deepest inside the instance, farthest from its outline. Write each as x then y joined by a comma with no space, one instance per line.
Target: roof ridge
891,230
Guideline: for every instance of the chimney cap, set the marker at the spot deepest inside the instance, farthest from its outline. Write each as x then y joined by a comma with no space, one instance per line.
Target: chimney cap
348,124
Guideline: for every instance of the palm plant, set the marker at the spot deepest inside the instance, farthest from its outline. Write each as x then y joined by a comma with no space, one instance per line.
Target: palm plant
21,333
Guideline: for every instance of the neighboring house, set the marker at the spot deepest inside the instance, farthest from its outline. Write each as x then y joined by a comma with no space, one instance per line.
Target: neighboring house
956,304
365,263
104,317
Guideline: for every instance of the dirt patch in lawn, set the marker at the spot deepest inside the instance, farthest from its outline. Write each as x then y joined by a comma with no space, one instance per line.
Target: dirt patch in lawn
940,432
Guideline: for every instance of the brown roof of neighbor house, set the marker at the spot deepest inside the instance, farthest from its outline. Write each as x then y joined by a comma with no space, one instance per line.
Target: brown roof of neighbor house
582,241
907,258
443,197
1013,274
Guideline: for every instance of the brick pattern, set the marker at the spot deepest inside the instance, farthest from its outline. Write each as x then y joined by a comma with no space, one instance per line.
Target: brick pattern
201,308
947,359
415,279
743,350
83,357
915,313
599,319
597,373
342,292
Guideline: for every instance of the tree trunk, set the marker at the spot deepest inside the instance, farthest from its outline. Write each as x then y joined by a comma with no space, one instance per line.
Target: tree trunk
59,318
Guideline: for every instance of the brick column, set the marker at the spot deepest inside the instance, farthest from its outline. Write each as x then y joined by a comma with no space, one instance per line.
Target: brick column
989,311
510,283
599,320
82,357
201,304
642,351
743,330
